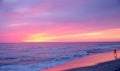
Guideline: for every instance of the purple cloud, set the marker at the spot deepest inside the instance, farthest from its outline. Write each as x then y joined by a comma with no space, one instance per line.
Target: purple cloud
39,14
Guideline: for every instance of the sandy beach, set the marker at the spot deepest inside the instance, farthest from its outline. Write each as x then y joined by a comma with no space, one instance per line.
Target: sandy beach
106,66
97,62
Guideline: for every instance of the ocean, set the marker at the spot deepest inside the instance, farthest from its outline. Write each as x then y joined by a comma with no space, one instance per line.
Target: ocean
39,56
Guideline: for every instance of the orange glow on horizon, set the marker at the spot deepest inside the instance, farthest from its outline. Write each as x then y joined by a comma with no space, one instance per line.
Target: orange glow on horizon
104,35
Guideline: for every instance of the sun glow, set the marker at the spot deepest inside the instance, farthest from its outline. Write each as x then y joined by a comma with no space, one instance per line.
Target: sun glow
111,34
38,37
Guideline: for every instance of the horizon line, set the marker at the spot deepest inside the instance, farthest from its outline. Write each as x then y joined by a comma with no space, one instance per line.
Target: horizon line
69,42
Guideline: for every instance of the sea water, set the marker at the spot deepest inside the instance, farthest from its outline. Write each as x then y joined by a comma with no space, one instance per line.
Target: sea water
39,56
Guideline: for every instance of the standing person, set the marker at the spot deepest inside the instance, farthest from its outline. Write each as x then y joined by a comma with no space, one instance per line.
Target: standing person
115,54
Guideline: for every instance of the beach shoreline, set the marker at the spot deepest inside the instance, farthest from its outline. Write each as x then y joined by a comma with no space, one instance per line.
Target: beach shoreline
86,61
113,65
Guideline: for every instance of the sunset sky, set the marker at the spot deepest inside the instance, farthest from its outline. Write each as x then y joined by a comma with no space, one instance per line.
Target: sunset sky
59,20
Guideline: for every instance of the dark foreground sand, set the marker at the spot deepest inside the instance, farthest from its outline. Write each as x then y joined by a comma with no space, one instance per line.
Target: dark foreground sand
106,66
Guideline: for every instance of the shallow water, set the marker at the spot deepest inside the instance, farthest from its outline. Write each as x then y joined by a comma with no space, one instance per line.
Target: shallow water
38,56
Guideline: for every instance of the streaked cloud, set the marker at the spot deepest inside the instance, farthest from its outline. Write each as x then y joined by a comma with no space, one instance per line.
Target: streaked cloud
104,35
60,20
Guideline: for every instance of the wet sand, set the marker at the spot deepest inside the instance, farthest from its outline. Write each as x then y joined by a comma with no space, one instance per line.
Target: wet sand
90,63
106,66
